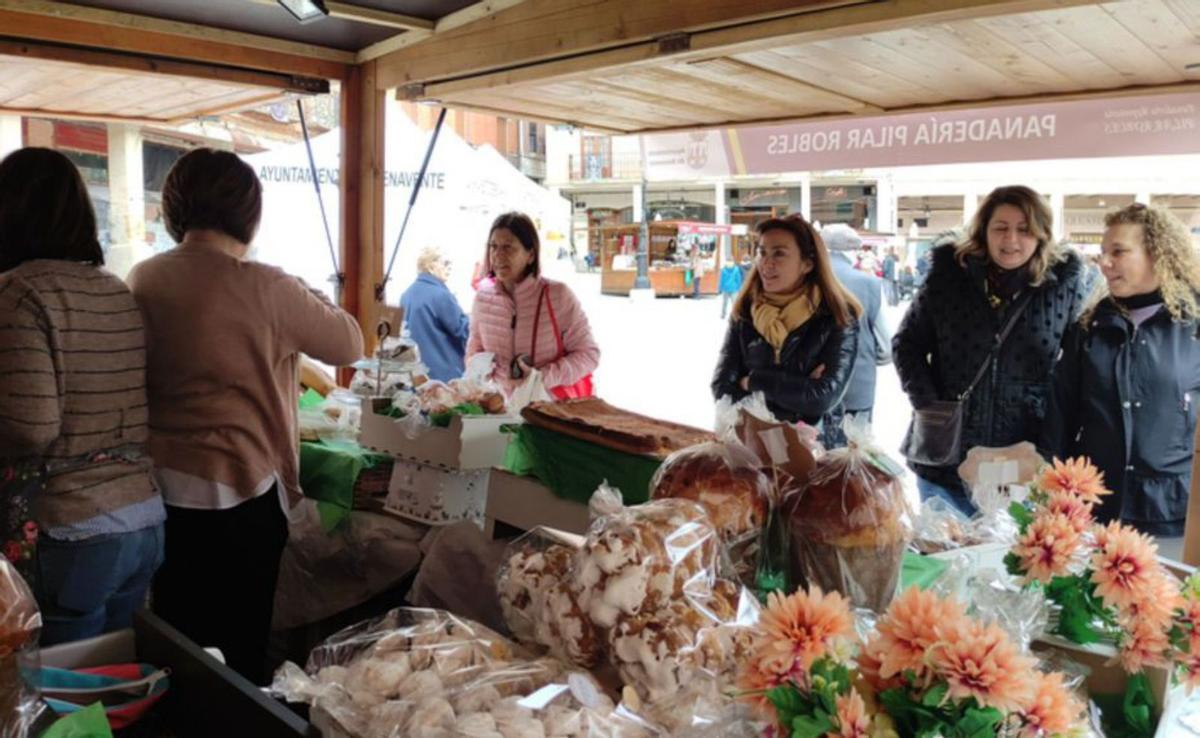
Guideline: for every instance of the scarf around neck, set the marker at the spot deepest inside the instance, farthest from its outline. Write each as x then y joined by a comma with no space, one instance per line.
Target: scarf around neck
776,316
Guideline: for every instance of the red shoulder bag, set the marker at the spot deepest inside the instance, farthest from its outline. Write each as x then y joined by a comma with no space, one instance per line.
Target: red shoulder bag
582,388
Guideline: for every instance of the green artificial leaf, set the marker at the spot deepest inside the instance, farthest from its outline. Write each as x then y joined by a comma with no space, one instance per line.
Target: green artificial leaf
910,715
1012,564
934,697
979,722
815,726
788,703
1138,706
1021,514
1080,610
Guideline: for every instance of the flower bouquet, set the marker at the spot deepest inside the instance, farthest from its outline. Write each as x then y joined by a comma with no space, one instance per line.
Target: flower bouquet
1106,583
927,671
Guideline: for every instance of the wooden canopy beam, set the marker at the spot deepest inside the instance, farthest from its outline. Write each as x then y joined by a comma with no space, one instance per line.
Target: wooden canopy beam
457,19
73,25
546,39
544,30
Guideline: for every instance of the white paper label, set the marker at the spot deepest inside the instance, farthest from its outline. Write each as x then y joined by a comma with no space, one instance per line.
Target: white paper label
584,690
543,696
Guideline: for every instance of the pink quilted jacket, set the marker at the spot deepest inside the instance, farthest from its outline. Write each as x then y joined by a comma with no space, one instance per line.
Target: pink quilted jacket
503,325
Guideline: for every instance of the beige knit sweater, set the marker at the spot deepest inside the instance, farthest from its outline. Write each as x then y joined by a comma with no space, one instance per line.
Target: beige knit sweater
224,338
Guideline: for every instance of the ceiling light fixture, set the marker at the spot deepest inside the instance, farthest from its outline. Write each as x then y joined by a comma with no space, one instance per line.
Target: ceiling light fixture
305,11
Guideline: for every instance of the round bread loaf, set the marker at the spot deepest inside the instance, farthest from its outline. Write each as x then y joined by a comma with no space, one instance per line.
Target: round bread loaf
725,479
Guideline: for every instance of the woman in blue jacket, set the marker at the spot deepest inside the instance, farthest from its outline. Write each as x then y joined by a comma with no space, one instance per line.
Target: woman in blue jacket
434,318
1125,388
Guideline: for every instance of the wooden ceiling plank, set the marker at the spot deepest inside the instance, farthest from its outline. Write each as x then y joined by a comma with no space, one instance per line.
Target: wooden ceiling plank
845,75
982,45
1159,29
560,106
1043,41
601,93
547,114
771,83
703,98
67,115
68,24
249,103
929,50
1098,33
579,96
874,53
1187,11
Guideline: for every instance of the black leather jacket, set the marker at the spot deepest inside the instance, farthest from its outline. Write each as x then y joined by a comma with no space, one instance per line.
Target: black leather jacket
790,392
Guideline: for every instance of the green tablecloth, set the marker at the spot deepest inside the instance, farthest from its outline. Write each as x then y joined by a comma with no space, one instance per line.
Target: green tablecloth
328,471
573,469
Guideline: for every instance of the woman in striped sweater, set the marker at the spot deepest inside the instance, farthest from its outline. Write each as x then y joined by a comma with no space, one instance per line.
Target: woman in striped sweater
525,320
73,397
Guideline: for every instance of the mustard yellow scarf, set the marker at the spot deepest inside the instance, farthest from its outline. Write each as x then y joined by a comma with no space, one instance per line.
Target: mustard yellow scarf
776,316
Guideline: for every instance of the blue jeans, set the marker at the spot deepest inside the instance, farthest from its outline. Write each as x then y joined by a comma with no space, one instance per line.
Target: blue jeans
93,586
958,500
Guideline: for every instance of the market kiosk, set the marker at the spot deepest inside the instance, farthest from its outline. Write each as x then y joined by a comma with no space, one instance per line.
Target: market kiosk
677,248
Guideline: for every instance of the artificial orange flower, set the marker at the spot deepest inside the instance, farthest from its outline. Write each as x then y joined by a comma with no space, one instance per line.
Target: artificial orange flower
800,628
1072,508
1144,644
1054,710
852,718
869,663
1189,670
1047,547
755,681
979,660
1077,477
1125,568
913,622
1162,598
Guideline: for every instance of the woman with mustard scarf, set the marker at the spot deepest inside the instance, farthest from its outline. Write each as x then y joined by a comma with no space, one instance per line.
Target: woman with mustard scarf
794,329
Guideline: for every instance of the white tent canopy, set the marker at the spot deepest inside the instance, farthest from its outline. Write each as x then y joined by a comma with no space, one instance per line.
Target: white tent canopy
464,189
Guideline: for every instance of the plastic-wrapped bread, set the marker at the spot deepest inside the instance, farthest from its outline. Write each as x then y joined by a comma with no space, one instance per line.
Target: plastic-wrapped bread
851,524
532,565
643,557
725,479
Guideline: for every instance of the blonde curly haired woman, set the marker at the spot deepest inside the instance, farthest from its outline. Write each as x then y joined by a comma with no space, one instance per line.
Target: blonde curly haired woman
1125,388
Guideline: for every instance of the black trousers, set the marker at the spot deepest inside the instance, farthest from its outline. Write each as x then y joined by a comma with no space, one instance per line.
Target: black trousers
217,582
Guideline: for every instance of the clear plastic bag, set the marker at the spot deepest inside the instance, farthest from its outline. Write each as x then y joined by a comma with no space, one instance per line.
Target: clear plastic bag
727,480
939,526
20,624
851,523
539,605
429,674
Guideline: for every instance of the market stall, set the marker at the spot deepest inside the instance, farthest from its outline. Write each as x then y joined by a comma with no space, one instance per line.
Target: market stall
680,253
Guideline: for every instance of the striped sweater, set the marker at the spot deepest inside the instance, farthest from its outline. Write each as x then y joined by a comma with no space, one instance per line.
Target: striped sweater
73,385
503,324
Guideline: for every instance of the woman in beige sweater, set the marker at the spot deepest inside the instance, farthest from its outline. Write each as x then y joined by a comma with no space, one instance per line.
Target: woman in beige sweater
224,338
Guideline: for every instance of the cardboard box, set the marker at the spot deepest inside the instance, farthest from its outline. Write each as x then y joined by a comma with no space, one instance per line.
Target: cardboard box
1106,675
435,495
524,503
470,442
205,698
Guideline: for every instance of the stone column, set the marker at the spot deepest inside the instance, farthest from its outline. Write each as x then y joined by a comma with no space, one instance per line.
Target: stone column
127,199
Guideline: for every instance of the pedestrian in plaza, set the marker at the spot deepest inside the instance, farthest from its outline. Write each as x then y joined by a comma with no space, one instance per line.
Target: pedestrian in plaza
890,278
793,334
907,284
1125,390
527,321
1006,283
225,336
874,338
434,318
73,399
730,284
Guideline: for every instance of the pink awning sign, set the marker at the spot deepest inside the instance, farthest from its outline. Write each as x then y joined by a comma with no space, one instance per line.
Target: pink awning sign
1129,126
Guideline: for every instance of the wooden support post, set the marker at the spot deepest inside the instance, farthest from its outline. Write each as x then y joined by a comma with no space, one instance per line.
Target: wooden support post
362,185
1191,529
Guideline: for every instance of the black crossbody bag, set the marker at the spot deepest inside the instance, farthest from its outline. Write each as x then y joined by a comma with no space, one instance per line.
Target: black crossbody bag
935,436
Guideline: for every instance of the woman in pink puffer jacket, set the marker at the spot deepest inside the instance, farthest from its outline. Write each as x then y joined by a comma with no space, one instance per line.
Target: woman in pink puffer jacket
525,320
